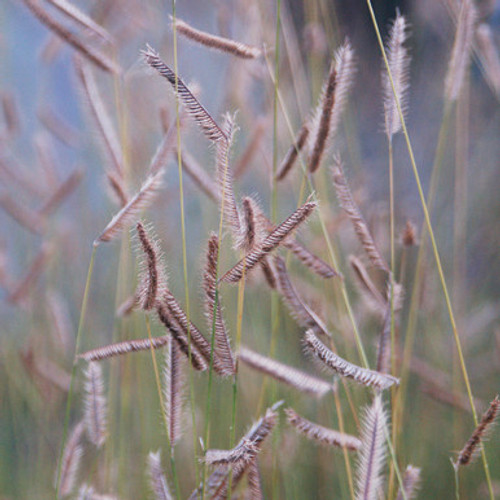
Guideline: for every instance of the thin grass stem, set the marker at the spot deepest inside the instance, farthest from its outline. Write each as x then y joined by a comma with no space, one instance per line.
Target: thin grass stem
239,322
344,448
183,231
434,247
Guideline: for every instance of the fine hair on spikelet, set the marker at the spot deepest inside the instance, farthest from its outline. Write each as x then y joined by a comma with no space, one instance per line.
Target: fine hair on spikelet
173,382
293,153
79,17
344,368
372,453
467,453
304,316
226,45
213,308
125,347
352,210
321,434
71,458
94,55
193,106
95,405
289,375
411,479
153,281
332,102
399,66
462,50
271,242
101,117
158,482
127,215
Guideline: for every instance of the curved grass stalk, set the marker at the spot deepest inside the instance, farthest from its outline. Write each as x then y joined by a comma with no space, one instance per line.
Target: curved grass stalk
434,246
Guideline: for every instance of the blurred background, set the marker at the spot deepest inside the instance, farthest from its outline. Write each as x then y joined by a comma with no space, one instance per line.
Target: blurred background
55,200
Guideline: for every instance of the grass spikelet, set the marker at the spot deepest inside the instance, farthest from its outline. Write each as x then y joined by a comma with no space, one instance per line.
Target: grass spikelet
384,345
489,57
127,306
411,478
82,46
467,453
95,405
399,63
251,149
173,385
153,279
142,199
372,453
82,19
224,179
263,427
289,375
189,330
193,107
86,492
222,345
313,262
409,236
242,453
370,291
117,191
62,192
19,291
217,484
125,347
199,176
23,215
58,312
321,434
269,272
322,131
250,224
58,126
339,365
10,113
271,242
293,153
298,309
254,488
197,360
71,458
226,45
327,103
101,116
461,52
352,210
158,483
165,148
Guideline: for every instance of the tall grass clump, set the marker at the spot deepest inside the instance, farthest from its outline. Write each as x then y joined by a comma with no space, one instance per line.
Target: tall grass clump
249,250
